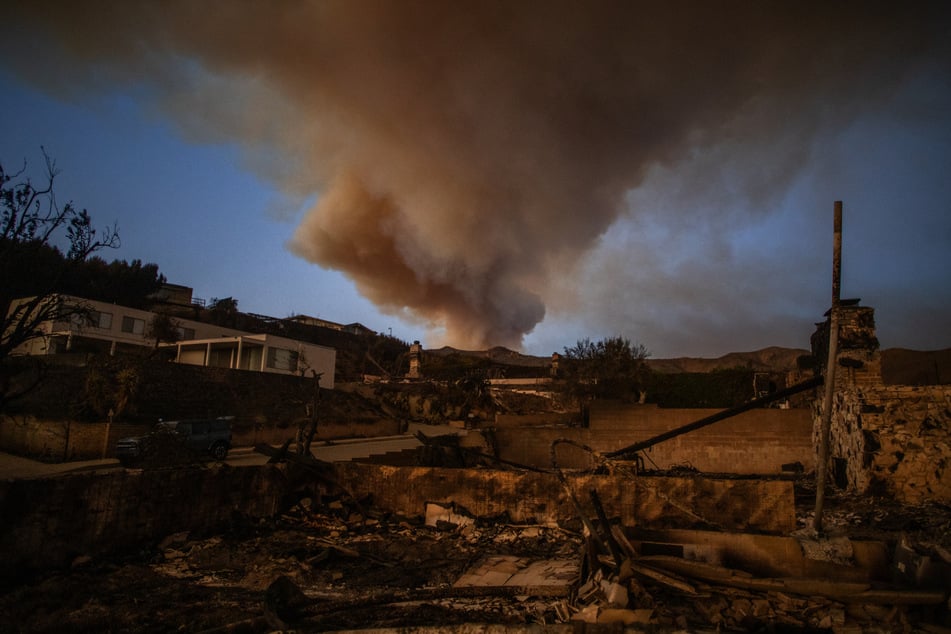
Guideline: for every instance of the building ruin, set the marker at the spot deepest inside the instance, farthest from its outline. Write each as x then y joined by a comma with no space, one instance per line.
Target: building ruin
887,440
709,530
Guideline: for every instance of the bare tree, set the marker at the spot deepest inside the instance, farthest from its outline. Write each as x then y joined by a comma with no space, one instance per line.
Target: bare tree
32,268
308,428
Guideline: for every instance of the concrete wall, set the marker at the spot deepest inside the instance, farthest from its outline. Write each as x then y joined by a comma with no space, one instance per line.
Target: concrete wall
760,505
48,522
59,441
250,436
529,420
756,442
884,440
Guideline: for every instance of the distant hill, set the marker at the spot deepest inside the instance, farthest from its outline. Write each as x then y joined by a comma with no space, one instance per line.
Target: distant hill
772,359
914,367
498,354
899,366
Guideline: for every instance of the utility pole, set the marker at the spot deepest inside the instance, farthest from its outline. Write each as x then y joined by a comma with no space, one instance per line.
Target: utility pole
822,467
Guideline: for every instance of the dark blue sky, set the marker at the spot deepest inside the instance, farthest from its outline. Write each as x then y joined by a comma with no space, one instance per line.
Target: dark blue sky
190,208
481,175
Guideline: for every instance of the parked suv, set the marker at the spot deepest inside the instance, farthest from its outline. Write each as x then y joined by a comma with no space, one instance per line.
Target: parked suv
179,439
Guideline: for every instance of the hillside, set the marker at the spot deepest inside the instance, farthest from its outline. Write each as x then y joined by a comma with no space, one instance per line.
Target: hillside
498,354
900,366
772,359
915,367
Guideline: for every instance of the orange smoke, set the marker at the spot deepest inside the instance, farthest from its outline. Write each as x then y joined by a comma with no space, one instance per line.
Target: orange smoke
466,155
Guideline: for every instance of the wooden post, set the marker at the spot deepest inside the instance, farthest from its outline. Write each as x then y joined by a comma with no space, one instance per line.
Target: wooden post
822,467
304,446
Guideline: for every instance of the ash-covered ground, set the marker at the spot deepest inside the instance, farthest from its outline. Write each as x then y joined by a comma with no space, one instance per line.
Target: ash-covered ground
337,565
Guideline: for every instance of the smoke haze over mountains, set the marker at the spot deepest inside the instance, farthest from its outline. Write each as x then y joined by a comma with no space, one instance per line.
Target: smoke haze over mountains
488,168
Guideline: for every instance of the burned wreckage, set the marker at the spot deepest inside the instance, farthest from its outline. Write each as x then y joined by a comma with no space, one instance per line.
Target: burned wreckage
543,528
645,520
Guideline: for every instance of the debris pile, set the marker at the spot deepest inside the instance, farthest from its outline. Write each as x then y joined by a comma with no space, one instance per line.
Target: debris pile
334,563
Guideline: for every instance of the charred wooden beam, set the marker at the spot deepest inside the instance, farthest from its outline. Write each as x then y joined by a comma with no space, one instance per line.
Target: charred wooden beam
606,534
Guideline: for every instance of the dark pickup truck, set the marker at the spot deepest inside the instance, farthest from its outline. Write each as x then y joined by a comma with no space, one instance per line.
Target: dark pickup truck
200,437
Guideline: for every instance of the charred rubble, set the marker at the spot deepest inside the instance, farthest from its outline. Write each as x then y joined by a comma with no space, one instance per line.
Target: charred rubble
705,524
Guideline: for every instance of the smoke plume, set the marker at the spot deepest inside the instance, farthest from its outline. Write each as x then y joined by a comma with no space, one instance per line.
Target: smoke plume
467,155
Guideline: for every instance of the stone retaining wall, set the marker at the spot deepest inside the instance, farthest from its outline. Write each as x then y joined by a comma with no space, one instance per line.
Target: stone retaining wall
894,441
884,440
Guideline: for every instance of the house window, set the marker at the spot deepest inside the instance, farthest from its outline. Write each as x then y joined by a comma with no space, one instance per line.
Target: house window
92,319
281,359
133,325
185,334
100,320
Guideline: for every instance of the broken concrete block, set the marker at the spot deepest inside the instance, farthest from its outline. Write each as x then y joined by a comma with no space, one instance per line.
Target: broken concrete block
588,614
837,550
741,609
838,616
615,594
436,512
916,567
588,592
761,608
710,612
545,577
624,616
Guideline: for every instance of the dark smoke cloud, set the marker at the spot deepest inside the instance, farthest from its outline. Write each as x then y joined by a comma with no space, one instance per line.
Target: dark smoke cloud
467,155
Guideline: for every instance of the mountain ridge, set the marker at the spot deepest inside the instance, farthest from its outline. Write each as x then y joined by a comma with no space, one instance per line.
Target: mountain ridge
900,366
772,358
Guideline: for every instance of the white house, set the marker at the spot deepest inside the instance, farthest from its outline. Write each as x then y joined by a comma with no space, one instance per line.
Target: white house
111,328
261,353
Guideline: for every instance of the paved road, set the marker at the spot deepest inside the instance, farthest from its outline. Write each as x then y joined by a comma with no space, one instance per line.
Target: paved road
18,468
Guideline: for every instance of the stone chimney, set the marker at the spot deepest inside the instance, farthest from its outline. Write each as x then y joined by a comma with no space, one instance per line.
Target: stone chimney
415,355
858,360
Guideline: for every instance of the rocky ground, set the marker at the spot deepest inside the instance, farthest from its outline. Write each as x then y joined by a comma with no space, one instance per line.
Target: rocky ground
348,566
